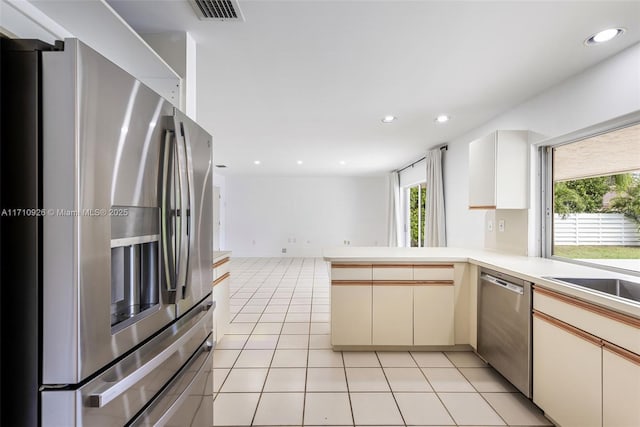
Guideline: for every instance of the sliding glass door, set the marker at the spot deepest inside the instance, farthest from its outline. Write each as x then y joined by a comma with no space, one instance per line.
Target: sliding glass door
415,197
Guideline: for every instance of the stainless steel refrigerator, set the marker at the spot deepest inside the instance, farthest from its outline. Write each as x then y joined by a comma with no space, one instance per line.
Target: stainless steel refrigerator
106,229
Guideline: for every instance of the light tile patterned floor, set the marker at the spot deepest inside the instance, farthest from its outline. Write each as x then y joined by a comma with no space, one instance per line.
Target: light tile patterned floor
276,366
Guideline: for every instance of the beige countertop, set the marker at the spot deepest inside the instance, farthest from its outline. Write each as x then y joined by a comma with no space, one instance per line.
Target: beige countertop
533,269
218,255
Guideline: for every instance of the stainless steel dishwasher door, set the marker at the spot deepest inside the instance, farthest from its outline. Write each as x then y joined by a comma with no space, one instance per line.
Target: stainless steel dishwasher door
504,326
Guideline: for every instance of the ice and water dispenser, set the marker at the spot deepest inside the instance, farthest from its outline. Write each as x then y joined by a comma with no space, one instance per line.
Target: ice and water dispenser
135,264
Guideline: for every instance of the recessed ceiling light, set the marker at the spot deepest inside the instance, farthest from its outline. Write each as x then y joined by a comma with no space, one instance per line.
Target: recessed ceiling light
389,119
299,162
604,36
342,162
256,162
442,118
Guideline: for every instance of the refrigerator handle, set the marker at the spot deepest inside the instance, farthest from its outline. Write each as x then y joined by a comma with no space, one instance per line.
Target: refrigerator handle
183,212
168,214
111,390
190,201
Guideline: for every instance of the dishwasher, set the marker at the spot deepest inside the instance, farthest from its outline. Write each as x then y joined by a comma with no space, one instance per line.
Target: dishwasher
504,326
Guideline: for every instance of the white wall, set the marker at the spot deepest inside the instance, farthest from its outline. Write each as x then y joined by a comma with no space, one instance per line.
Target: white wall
304,214
606,91
220,181
414,174
178,49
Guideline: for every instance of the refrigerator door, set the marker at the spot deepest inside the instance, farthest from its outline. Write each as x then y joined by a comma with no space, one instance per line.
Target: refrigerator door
151,383
20,182
197,267
102,136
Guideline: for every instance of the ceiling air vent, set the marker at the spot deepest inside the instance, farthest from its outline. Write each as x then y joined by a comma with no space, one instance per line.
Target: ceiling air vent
217,10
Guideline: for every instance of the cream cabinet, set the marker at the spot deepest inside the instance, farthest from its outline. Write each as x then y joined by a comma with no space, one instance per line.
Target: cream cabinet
586,369
351,314
433,315
402,304
620,387
221,279
499,171
393,314
567,373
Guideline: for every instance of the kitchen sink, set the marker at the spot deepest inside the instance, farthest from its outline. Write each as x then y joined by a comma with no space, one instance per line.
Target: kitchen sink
620,288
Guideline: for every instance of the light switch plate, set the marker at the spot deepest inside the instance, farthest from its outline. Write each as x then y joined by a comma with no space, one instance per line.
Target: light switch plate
490,225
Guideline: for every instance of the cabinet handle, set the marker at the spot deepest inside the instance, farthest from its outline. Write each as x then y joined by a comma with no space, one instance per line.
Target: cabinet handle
221,278
622,352
568,328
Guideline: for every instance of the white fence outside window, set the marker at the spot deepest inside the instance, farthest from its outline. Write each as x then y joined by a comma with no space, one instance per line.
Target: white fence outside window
611,229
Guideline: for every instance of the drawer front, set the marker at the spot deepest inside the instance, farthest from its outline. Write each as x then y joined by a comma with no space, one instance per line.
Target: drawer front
351,272
392,272
618,329
220,268
433,272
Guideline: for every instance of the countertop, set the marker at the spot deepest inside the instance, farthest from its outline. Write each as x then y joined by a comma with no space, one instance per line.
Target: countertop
218,255
533,269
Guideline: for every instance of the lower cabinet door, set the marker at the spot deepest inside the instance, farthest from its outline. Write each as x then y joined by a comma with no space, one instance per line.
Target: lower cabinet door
393,315
351,314
567,375
620,389
221,315
433,315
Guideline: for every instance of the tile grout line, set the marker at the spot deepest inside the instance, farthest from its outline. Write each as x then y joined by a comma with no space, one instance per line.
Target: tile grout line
404,422
346,381
433,388
245,343
478,391
266,377
306,369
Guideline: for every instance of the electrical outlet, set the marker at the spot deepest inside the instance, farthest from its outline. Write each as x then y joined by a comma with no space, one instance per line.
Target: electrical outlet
284,250
490,225
501,225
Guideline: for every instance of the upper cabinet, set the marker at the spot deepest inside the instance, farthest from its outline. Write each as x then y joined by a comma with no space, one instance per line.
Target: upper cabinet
100,27
499,171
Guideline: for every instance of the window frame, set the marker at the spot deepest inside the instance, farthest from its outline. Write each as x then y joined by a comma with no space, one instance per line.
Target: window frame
546,184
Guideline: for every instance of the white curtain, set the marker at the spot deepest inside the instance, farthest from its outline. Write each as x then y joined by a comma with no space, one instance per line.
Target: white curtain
395,225
434,226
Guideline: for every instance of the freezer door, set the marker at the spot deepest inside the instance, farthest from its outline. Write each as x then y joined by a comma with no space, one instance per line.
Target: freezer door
159,371
197,265
102,134
188,400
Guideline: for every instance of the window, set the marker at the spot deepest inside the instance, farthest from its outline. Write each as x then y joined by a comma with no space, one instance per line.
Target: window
414,226
593,200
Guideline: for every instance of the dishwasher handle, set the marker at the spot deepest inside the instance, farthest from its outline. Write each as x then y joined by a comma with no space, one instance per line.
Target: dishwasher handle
502,283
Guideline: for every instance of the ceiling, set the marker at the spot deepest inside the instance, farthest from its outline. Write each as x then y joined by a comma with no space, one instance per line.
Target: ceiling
311,80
